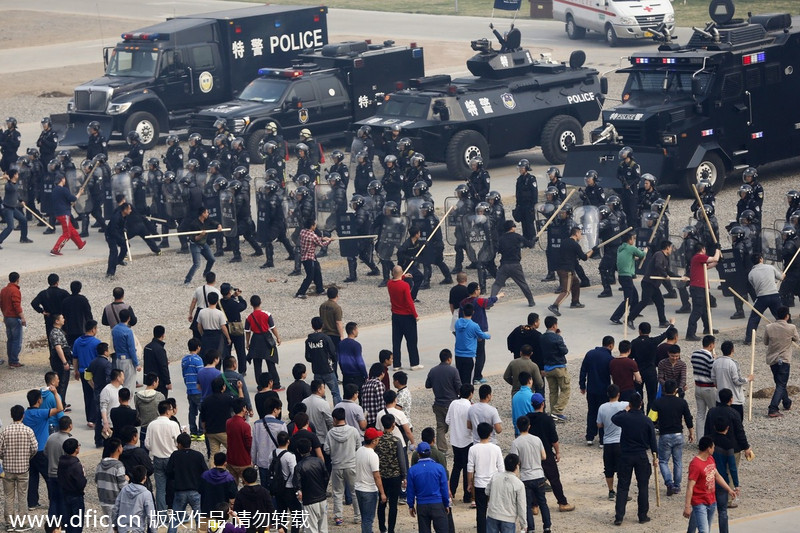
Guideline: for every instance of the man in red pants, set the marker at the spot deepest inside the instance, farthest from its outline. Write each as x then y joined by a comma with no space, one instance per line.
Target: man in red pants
62,206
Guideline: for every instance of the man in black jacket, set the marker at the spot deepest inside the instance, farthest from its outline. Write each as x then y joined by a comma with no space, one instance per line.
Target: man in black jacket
115,238
156,361
77,312
732,419
49,302
656,266
184,469
321,353
543,426
672,411
133,455
643,351
310,479
566,267
72,482
510,246
407,254
527,334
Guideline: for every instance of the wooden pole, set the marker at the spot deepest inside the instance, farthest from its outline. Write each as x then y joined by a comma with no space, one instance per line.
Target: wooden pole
439,225
785,270
352,237
705,216
154,219
752,369
128,246
655,478
708,300
756,311
182,233
558,209
625,321
617,236
32,212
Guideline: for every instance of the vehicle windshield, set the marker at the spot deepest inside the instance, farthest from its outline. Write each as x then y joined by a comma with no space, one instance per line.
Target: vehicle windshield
406,107
133,63
264,90
669,81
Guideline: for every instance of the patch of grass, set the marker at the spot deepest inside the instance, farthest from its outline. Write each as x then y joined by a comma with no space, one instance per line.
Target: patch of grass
693,13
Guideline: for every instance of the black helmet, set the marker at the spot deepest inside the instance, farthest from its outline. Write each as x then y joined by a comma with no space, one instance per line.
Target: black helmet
235,185
550,191
272,174
746,189
703,184
604,211
136,172
364,131
303,180
356,201
651,217
33,152
658,205
462,191
626,151
23,160
237,143
477,161
361,156
240,172
493,196
101,157
417,159
120,167
747,216
482,208
709,210
390,209
334,178
649,177
54,165
427,207
390,159
192,164
133,136
613,202
214,165
63,156
11,122
524,163
792,196
337,156
420,188
172,139
271,185
404,143
301,147
220,123
195,138
186,181
169,176
220,139
220,183
591,175
397,128
46,120
689,231
86,164
270,146
374,187
751,173
153,163
553,171
789,231
567,210
93,126
737,232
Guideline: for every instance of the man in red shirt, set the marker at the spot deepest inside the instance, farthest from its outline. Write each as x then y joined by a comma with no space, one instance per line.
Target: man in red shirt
240,439
697,290
404,318
624,372
13,317
701,498
309,241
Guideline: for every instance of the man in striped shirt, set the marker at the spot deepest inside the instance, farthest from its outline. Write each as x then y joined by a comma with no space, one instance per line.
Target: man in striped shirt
706,392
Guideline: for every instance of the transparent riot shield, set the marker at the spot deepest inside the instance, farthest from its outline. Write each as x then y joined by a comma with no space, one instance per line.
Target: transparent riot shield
543,212
778,224
324,207
677,259
588,218
356,146
174,204
289,204
121,184
75,180
227,210
413,206
771,245
479,243
393,232
453,220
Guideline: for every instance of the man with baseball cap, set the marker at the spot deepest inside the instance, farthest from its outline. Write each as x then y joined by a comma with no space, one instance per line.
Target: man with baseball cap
510,246
368,485
427,483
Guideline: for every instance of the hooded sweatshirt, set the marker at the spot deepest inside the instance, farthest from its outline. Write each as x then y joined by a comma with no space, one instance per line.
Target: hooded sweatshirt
253,499
467,335
341,444
134,501
110,478
216,486
147,405
71,478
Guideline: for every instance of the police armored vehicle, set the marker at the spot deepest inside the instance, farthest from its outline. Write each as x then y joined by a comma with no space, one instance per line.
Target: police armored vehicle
721,103
511,102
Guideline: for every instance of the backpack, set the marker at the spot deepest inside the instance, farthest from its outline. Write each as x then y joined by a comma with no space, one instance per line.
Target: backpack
275,480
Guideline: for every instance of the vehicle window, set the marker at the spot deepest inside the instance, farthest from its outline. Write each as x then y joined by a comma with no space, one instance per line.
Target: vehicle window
264,90
666,81
202,57
330,87
134,63
304,92
416,108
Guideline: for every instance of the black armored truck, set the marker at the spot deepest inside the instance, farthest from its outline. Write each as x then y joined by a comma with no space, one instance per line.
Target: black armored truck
326,90
725,101
157,76
511,102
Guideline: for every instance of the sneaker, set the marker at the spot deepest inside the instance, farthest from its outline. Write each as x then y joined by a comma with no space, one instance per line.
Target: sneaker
55,253
616,321
612,495
338,521
558,418
590,443
576,305
417,367
774,414
553,309
29,527
483,380
20,365
631,325
565,508
25,241
670,490
684,310
81,246
618,521
300,296
476,382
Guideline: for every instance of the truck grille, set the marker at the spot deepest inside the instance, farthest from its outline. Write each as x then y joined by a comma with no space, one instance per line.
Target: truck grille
202,124
631,133
91,100
649,20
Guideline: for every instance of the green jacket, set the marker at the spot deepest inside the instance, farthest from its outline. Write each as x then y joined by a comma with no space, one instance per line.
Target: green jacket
626,259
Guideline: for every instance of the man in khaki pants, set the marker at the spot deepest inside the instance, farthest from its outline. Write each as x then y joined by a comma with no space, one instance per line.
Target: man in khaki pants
17,445
554,355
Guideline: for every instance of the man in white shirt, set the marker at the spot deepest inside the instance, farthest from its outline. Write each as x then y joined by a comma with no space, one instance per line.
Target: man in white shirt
318,410
483,411
402,427
726,374
507,499
611,436
200,298
485,458
212,326
460,437
530,450
161,441
109,397
353,411
368,484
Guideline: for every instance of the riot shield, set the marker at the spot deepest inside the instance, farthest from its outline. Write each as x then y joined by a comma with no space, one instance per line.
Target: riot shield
543,212
324,207
174,204
771,245
346,228
731,272
478,229
121,184
24,182
356,146
289,203
677,259
453,219
393,232
413,208
588,218
227,209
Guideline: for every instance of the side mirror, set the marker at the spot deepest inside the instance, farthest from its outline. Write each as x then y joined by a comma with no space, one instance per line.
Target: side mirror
604,85
697,87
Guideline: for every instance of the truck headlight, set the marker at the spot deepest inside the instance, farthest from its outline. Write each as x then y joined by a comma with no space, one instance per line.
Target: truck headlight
118,109
669,18
669,139
239,124
627,21
70,106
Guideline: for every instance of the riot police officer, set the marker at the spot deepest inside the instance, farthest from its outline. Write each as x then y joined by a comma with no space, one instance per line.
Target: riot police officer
463,209
199,152
793,199
274,160
748,202
222,154
192,195
647,194
405,151
48,141
389,141
629,173
527,196
338,194
96,191
339,167
175,208
155,179
615,205
392,180
748,220
221,128
107,201
51,178
742,255
136,152
478,181
96,144
703,231
215,181
608,227
244,222
35,182
707,196
420,190
303,214
364,173
554,178
9,144
750,177
418,171
557,232
690,246
377,199
546,209
314,151
240,157
139,187
406,254
271,200
173,159
362,225
305,164
368,145
497,219
434,248
593,194
790,286
271,134
86,168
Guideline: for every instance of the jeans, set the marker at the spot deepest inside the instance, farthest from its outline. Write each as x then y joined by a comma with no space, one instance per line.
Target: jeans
480,359
15,487
313,273
780,373
465,366
194,411
771,301
628,464
74,508
481,506
698,295
391,487
404,326
500,526
332,383
460,459
594,401
722,508
199,250
435,513
13,338
534,495
10,215
183,497
343,480
558,383
38,467
629,293
367,503
671,445
702,517
160,475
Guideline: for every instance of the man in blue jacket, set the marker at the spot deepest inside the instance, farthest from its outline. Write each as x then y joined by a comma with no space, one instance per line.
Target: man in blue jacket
62,207
427,484
467,334
84,351
595,371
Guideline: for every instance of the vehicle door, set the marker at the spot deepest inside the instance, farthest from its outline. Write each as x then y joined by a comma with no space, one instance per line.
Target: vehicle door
301,109
335,110
209,83
174,83
768,119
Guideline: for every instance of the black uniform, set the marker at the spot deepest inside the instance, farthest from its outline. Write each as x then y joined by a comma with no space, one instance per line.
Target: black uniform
393,184
592,195
96,145
790,286
752,204
405,255
115,238
136,154
343,171
245,226
688,249
225,158
527,196
9,144
742,255
608,227
758,192
362,225
306,166
478,183
199,152
646,200
211,202
707,197
629,175
240,158
47,144
561,187
303,213
364,175
464,208
275,226
173,159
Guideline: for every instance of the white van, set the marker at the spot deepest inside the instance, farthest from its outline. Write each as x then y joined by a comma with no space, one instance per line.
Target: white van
615,19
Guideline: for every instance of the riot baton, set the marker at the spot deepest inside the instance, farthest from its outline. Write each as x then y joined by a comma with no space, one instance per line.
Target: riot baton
128,246
439,225
705,215
785,270
32,212
615,237
182,233
756,311
560,207
658,223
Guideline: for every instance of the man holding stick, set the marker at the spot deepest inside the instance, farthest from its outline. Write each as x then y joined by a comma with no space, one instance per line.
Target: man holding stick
571,252
198,243
510,246
656,266
762,278
12,209
779,337
698,284
626,267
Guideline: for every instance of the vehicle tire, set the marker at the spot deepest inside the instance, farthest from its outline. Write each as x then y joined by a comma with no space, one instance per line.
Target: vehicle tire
146,125
611,36
253,142
560,132
574,31
711,167
462,147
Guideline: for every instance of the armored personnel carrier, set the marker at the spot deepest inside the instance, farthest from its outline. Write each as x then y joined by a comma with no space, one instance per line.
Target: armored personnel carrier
511,102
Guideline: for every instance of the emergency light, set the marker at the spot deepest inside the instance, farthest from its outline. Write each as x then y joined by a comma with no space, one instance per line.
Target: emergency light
752,59
280,72
145,36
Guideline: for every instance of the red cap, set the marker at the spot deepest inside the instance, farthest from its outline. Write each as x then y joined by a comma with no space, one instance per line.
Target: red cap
372,434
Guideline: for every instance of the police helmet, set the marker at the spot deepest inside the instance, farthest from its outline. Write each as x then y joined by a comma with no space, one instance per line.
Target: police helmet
482,208
364,131
54,165
604,211
709,210
132,137
745,190
46,120
11,122
553,172
591,175
404,143
650,218
493,196
689,231
101,157
305,133
390,159
272,174
220,140
128,162
119,167
22,160
737,232
194,138
192,164
356,201
153,163
235,185
625,152
33,152
794,218
420,188
566,211
334,178
337,156
271,185
747,216
613,202
390,209
749,174
427,207
272,127
374,187
169,176
171,139
92,127
361,157
397,128
476,162
270,146
136,172
239,173
86,164
220,183
301,147
303,180
220,123
186,181
658,205
792,196
417,159
524,163
237,143
550,193
214,165
789,231
462,191
63,156
649,177
703,184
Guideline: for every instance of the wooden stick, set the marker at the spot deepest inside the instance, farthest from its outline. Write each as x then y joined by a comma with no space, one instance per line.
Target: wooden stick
625,321
32,212
88,177
785,270
752,370
756,311
560,207
673,278
655,478
128,246
617,236
350,237
705,216
182,233
154,219
439,225
708,300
